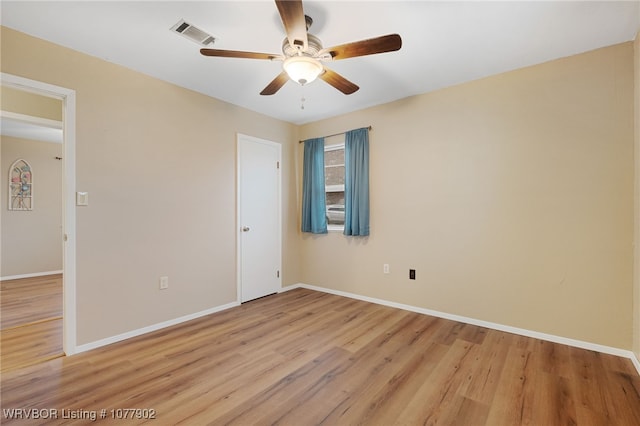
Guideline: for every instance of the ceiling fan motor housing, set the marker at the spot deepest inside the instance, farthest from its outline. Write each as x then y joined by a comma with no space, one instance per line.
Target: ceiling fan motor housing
314,43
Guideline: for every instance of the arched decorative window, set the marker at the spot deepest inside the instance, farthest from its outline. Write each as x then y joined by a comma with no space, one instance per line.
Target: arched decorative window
20,186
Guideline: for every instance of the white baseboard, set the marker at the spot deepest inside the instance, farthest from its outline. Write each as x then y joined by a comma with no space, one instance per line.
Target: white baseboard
495,326
150,328
635,361
35,274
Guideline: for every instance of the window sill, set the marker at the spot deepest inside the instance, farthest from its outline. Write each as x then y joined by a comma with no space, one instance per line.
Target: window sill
335,228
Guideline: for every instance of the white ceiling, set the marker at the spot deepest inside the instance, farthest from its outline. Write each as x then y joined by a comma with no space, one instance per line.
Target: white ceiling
444,43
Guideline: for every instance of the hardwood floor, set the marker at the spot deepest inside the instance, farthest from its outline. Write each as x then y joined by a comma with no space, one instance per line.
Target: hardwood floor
31,344
307,358
31,321
30,300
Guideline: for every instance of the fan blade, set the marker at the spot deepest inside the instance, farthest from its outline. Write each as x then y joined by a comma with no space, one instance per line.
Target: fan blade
387,43
276,84
338,81
237,54
295,25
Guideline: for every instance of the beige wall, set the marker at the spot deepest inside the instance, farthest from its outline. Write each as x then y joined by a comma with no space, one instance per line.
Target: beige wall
512,197
158,162
636,279
32,240
21,102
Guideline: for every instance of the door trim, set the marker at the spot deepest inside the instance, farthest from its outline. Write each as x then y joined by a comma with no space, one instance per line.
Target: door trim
68,98
278,146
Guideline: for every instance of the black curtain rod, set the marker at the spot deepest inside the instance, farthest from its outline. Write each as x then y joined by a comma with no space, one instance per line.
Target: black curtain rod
341,133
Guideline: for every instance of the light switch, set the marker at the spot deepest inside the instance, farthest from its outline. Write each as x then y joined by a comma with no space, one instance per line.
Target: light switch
82,198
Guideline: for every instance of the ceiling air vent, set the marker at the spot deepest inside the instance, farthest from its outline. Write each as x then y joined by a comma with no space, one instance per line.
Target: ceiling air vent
193,33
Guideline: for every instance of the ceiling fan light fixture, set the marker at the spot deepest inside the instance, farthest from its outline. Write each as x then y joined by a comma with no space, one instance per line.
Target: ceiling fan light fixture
302,69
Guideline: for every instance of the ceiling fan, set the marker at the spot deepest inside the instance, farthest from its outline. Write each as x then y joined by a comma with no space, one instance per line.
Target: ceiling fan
303,54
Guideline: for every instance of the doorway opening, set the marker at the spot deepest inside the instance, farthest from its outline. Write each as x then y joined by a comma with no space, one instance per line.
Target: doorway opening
39,312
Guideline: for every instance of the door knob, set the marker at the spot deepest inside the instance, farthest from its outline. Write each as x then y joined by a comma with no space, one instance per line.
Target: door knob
245,229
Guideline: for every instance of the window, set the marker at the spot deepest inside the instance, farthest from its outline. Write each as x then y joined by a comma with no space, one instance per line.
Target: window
334,185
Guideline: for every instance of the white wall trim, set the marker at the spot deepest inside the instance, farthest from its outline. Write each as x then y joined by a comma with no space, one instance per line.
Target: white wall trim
154,327
33,275
495,326
30,127
635,361
514,330
38,121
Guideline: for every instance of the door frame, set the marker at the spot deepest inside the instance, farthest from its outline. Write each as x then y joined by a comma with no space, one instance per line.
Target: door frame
278,147
68,98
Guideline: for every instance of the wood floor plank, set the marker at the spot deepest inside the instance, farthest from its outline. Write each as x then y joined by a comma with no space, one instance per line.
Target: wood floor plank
29,300
305,358
435,398
513,402
554,358
464,412
30,321
283,396
22,346
483,380
554,401
391,399
368,326
351,390
593,396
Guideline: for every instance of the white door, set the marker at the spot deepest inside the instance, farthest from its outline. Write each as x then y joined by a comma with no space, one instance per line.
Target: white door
259,218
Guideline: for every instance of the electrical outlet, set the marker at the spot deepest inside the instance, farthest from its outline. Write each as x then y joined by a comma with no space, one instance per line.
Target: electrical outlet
385,268
412,274
164,283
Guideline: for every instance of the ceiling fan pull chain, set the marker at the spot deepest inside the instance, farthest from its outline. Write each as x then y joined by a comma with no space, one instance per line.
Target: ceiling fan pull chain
302,99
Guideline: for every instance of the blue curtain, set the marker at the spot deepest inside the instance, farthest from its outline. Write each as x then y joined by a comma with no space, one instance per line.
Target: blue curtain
356,182
314,217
